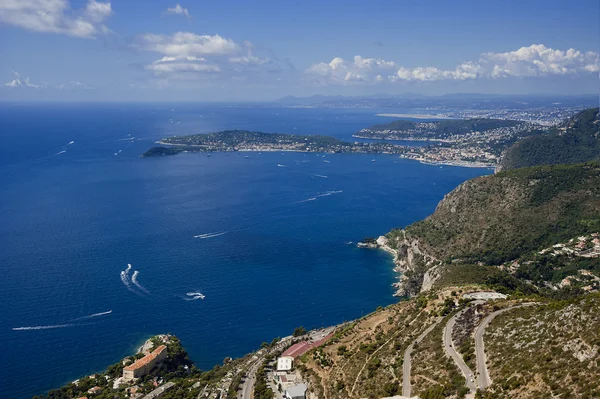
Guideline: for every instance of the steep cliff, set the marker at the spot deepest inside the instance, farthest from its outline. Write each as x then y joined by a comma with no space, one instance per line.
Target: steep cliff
497,219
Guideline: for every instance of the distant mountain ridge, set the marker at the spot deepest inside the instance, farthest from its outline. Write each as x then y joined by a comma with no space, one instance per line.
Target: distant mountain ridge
454,101
576,140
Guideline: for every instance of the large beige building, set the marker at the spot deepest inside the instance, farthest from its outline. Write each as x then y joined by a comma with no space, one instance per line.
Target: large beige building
143,366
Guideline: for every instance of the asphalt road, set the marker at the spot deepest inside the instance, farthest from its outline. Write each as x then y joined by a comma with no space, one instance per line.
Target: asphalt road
483,378
248,385
458,360
406,365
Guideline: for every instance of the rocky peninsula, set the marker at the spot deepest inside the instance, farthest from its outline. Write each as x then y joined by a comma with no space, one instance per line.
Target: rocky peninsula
243,140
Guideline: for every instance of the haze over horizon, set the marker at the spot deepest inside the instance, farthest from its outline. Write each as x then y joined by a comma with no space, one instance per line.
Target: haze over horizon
65,50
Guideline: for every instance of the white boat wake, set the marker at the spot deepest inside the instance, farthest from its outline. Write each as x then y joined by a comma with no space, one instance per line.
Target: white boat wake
328,193
65,325
319,195
135,282
306,200
42,327
210,235
127,281
92,316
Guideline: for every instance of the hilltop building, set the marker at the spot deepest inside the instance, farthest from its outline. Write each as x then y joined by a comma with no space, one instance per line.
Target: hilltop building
143,366
285,363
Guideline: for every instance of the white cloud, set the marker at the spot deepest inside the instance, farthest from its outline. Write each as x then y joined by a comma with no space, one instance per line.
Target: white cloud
186,44
186,64
534,61
538,60
56,16
186,55
178,10
18,82
98,12
360,70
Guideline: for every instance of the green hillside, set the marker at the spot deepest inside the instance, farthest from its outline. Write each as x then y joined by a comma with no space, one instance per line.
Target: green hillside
440,128
497,218
577,140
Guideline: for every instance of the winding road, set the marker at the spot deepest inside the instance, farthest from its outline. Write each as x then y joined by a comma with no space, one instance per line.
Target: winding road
406,365
483,378
458,360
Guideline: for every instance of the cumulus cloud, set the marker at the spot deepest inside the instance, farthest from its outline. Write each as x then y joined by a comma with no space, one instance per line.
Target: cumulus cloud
19,82
188,55
184,64
179,10
534,61
360,70
538,60
56,16
186,44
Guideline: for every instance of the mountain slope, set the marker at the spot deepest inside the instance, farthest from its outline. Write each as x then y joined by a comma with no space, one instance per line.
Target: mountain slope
438,129
496,218
577,140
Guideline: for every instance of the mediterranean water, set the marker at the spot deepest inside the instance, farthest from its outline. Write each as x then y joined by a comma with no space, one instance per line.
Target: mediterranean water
269,239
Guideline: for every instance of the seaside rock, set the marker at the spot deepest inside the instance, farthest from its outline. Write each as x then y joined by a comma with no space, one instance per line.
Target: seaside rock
382,240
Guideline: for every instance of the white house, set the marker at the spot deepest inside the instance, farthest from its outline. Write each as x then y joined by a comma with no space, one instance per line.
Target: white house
295,392
285,363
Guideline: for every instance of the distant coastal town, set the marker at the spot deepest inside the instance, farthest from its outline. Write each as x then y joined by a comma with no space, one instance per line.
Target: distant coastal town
243,140
474,142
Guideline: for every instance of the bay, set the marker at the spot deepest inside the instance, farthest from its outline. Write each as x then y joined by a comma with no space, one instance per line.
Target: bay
274,246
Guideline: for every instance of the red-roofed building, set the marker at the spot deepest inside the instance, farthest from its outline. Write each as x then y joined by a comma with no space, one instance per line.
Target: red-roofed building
296,350
143,366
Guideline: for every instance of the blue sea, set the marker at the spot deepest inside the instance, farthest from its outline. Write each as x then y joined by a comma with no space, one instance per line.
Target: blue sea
268,239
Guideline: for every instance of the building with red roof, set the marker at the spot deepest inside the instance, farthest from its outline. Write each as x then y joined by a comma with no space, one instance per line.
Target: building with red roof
143,366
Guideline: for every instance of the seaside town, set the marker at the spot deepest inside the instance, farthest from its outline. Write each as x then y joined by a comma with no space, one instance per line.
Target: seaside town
242,140
479,146
475,148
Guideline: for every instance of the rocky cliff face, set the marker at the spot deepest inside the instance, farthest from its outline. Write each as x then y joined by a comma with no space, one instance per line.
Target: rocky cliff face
413,263
495,219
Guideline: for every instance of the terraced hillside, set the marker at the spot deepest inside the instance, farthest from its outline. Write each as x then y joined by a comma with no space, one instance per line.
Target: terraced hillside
533,348
546,351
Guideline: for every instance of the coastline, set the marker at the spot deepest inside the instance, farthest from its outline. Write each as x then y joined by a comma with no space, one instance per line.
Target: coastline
397,269
382,244
403,139
464,164
416,116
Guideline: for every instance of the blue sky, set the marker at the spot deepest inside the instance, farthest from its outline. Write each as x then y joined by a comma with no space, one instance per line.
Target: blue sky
260,50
